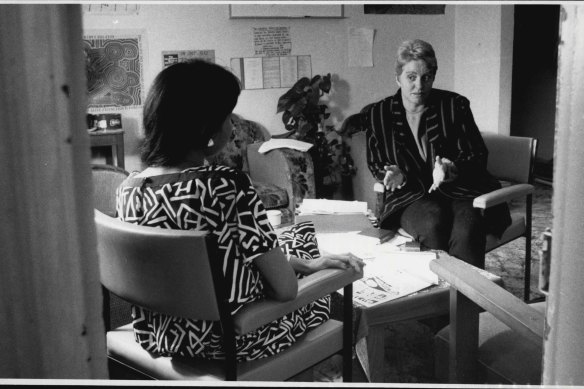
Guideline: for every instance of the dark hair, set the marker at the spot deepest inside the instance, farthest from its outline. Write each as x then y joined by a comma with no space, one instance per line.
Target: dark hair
414,50
186,105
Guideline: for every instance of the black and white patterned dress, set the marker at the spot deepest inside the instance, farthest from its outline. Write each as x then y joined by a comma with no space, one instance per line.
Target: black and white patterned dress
222,201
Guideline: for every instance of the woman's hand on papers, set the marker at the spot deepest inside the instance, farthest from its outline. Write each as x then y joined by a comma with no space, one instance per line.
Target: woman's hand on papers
327,261
341,261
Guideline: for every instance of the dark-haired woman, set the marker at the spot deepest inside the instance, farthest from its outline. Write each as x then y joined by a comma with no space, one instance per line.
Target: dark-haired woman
187,118
424,146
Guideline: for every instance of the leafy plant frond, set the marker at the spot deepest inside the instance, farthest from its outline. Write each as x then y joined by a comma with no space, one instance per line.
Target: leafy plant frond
303,116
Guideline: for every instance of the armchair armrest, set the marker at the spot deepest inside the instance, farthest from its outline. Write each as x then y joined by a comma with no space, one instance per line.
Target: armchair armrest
502,195
310,288
507,308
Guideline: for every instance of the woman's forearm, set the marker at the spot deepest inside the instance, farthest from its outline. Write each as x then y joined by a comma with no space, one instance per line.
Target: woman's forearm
300,265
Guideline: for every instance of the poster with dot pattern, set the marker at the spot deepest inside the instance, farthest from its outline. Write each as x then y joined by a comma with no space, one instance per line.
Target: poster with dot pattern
114,71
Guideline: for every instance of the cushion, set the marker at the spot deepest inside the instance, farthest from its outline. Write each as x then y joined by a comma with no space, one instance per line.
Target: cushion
504,357
272,196
234,154
515,230
310,349
287,216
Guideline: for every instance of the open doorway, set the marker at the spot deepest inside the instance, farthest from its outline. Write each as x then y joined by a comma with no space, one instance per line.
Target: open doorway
535,63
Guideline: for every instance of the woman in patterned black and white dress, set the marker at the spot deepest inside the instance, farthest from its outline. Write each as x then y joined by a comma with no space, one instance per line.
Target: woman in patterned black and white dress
187,118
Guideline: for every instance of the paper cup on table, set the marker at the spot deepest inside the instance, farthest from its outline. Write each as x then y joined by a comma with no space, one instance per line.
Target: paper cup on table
275,217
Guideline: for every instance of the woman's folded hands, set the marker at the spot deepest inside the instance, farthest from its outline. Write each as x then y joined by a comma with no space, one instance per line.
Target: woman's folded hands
327,261
444,171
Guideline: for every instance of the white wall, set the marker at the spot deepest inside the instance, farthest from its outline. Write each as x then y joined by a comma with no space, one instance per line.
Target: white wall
207,26
483,63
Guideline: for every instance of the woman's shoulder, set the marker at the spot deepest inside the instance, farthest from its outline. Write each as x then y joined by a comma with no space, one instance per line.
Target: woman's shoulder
201,173
220,174
442,94
213,171
396,97
388,102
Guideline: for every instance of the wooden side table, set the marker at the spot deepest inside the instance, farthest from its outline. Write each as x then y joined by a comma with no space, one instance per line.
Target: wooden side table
370,328
113,139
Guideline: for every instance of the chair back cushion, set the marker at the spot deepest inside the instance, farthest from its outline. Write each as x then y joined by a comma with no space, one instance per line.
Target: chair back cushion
106,178
234,154
272,196
511,158
363,180
166,271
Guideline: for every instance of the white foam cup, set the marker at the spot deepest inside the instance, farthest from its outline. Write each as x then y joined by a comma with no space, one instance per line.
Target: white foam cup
274,216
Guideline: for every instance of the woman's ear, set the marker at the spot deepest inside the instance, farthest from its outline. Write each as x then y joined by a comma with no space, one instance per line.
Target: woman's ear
212,148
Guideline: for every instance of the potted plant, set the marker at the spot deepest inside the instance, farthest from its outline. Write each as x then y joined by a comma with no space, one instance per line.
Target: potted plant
304,116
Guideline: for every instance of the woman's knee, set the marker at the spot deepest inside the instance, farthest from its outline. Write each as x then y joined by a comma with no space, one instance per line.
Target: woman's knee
431,228
468,237
468,224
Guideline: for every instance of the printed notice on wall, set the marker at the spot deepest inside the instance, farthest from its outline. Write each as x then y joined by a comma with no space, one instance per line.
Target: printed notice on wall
271,72
111,9
272,41
360,47
170,57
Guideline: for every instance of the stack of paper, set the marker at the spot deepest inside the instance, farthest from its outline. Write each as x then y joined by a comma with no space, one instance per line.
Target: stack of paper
283,144
332,207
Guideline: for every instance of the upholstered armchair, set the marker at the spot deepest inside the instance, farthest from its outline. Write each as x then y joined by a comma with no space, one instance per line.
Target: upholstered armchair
511,162
282,177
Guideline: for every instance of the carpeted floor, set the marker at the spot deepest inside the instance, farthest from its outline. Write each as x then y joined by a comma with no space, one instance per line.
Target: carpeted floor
409,354
507,260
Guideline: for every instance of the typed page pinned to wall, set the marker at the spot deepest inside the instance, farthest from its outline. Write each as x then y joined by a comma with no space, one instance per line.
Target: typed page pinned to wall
360,50
271,72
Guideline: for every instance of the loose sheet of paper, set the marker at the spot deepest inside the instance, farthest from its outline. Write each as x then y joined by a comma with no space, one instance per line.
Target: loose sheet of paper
304,66
360,47
284,144
272,41
254,78
271,72
288,71
170,57
329,207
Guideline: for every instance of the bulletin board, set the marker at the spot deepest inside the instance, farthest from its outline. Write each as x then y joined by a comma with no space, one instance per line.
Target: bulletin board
285,11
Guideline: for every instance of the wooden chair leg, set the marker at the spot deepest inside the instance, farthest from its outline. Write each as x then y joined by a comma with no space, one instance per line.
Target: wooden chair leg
464,332
348,333
106,309
527,273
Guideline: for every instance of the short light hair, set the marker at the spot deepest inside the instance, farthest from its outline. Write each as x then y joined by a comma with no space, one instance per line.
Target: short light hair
413,50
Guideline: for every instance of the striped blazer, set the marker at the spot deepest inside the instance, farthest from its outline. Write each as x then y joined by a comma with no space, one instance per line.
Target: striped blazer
451,132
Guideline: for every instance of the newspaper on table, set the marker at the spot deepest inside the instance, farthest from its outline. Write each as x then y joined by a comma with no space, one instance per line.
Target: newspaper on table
389,273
